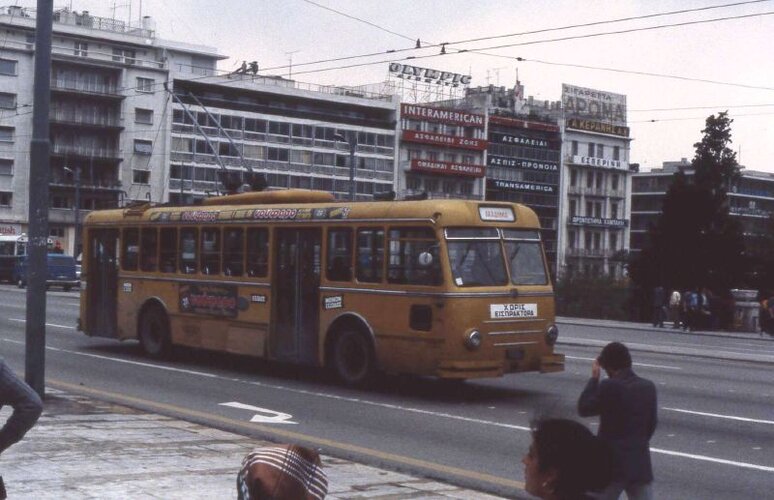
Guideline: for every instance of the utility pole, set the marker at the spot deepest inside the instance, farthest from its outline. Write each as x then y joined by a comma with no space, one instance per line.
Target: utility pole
40,165
290,62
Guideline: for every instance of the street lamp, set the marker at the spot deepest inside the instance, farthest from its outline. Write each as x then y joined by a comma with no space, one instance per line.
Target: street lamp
77,177
352,141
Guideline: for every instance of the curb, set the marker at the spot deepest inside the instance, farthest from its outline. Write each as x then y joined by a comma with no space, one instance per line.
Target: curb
644,327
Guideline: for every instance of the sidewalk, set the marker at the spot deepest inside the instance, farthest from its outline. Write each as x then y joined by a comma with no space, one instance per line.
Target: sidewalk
86,449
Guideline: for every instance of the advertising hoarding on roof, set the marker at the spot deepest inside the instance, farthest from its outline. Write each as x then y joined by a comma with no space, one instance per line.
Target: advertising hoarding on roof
592,104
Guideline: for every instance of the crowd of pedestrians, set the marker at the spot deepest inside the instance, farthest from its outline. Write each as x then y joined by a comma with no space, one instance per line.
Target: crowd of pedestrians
691,309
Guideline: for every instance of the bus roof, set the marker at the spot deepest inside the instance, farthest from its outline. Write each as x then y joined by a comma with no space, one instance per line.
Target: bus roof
291,206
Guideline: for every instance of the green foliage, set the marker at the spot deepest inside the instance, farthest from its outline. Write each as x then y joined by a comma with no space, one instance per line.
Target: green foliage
591,296
696,242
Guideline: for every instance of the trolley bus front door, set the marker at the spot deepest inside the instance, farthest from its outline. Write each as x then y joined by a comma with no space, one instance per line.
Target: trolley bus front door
102,281
296,294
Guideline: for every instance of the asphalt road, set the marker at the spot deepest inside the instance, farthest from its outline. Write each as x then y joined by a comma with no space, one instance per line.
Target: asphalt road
714,440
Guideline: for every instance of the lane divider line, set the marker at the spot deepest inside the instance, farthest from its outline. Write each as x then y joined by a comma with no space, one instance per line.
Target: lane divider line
705,458
53,325
647,365
286,434
718,415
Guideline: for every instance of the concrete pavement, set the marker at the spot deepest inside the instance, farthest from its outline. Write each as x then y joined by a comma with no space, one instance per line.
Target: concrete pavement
82,448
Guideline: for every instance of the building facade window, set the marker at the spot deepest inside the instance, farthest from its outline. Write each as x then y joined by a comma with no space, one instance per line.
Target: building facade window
81,49
144,116
126,56
143,146
8,67
614,182
144,84
600,150
6,134
616,152
141,176
574,147
6,166
573,177
591,149
7,100
5,198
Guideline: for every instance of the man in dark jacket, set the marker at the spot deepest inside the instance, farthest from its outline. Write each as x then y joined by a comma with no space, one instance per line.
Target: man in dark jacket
627,409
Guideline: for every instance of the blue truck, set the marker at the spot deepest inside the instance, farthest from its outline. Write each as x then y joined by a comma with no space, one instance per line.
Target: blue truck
61,271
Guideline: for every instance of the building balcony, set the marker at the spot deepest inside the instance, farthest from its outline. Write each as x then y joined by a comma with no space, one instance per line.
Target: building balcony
87,185
598,253
85,152
85,119
76,87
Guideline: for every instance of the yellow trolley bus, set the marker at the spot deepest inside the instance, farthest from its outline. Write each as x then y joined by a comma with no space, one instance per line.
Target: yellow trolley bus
447,288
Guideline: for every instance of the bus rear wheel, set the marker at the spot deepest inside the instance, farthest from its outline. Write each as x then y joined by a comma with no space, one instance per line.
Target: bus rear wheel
154,332
352,357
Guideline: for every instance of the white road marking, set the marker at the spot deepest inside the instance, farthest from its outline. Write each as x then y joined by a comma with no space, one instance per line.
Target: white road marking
705,458
53,325
635,364
717,415
268,417
391,406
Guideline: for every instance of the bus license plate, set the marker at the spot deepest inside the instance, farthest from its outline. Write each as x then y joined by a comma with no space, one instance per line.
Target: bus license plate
506,311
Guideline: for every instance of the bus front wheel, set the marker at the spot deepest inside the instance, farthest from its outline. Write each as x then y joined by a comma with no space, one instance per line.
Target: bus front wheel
352,357
154,332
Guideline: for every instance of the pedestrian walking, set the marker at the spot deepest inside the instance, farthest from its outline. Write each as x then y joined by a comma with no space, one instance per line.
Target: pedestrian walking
675,302
627,409
565,461
658,306
26,405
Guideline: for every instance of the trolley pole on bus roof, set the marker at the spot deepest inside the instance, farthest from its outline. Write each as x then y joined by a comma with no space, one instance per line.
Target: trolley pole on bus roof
40,164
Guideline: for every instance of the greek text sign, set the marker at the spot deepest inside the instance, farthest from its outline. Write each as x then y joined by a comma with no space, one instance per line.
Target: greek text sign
598,127
447,168
599,162
504,161
505,311
519,140
444,140
597,221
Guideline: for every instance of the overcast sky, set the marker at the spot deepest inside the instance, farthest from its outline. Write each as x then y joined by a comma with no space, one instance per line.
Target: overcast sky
737,52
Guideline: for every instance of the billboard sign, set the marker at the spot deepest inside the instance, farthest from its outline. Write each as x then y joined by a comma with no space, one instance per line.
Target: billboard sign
595,105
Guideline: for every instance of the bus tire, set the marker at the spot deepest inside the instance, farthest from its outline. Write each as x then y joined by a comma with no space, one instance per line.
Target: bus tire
352,357
153,331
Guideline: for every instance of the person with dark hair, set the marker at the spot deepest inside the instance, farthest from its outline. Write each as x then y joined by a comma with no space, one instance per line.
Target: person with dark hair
627,409
565,461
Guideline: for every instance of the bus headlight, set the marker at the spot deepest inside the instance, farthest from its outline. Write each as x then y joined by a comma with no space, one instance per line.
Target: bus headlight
473,340
552,333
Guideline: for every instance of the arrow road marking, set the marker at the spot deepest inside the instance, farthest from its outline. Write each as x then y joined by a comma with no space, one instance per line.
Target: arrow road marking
269,417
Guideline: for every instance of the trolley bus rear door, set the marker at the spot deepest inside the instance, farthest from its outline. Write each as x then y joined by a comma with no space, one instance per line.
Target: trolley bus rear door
295,316
102,280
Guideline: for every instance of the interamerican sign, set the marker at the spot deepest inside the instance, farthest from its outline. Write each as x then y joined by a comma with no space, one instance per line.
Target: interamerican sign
598,127
503,161
453,141
447,168
597,221
442,115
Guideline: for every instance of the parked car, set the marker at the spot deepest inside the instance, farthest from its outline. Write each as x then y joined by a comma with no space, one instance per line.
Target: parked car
61,271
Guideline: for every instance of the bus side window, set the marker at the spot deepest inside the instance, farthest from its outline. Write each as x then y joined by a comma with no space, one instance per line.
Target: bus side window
188,240
211,250
339,265
168,250
233,251
130,248
149,246
407,246
257,252
370,255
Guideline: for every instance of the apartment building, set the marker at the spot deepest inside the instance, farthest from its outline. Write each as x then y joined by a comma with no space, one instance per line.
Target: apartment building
107,115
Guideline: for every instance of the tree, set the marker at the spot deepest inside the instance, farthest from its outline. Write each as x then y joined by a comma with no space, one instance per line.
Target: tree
695,242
